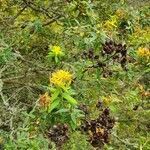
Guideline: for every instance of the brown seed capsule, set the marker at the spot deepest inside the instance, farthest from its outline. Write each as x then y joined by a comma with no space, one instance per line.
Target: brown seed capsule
99,129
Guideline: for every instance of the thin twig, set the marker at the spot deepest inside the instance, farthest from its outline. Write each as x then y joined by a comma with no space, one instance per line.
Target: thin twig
51,21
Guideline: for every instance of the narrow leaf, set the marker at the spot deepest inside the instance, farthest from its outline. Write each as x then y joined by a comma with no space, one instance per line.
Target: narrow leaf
53,105
55,95
70,99
62,111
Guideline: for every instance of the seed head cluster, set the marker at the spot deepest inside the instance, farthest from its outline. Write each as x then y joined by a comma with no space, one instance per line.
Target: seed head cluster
99,129
58,134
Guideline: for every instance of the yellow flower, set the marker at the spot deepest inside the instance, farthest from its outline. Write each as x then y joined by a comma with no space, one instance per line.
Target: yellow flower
143,52
111,24
57,50
61,78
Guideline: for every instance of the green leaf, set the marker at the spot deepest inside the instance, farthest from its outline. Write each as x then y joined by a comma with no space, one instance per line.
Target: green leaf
56,59
70,99
50,54
51,89
62,111
37,25
113,108
55,94
5,55
73,125
73,118
71,92
53,105
1,85
79,113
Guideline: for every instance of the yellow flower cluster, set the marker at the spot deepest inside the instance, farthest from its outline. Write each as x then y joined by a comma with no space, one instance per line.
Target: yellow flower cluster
143,52
61,78
111,24
56,50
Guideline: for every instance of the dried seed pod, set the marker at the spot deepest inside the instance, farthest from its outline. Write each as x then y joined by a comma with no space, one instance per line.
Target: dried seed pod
106,111
59,134
84,55
96,57
135,107
91,53
100,64
114,49
99,129
99,104
84,108
108,47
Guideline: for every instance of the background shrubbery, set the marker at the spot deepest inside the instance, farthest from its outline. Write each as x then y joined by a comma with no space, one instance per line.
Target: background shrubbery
32,35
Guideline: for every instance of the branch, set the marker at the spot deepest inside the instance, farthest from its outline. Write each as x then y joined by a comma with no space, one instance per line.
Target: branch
51,21
36,8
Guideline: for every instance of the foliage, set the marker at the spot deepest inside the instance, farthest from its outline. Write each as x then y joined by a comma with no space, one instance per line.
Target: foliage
58,59
61,106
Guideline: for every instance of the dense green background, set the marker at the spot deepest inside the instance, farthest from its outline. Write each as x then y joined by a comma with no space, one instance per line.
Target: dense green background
28,27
